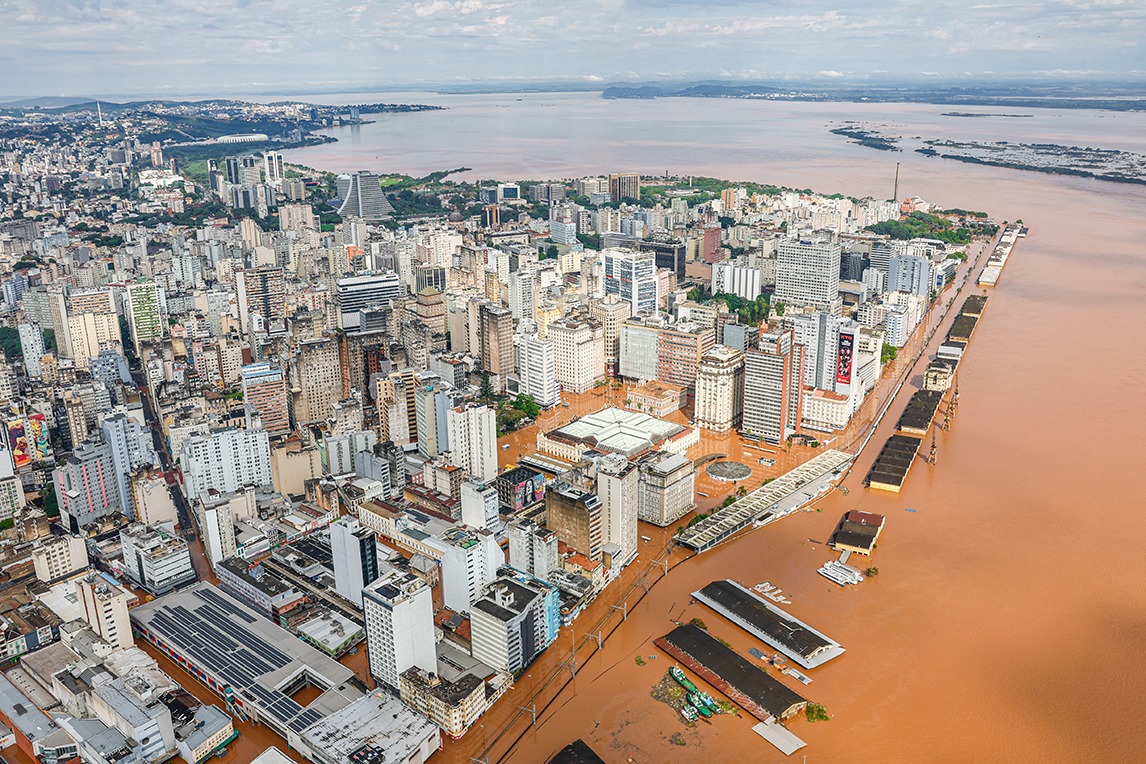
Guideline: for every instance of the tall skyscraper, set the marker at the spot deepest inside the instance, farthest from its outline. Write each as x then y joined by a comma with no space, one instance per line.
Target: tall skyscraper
473,440
496,341
317,375
32,348
808,272
273,166
773,387
359,292
679,350
538,371
265,394
225,460
910,273
617,484
143,313
399,612
626,185
354,552
611,312
261,291
85,485
364,198
131,447
632,276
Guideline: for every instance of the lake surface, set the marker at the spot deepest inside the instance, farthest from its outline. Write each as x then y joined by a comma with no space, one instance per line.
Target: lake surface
1008,622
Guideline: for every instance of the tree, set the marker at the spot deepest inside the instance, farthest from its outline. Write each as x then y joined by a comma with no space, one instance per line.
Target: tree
51,506
551,252
742,492
10,342
527,405
50,338
779,308
486,390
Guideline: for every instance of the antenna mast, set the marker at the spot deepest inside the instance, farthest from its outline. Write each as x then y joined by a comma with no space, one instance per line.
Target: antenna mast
895,195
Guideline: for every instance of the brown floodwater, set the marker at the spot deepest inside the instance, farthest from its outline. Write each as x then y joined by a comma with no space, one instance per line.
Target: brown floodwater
1008,619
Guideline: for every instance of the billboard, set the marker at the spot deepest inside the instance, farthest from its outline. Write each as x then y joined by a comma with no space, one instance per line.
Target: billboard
844,359
18,443
36,434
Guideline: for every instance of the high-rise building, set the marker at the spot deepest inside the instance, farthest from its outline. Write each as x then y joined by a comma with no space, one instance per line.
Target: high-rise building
679,350
143,314
711,249
32,348
354,551
104,606
741,336
773,387
808,272
472,433
92,333
666,489
274,168
86,486
261,291
575,516
611,312
359,292
733,277
296,217
824,337
364,198
617,487
532,548
639,341
480,505
317,380
430,307
522,295
225,460
579,353
433,397
57,557
626,185
470,560
154,560
399,612
496,341
265,395
720,389
131,448
538,371
632,276
910,273
514,623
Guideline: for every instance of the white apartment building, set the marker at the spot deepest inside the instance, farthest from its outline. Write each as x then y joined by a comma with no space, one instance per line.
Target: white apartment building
472,433
399,614
105,609
225,460
154,560
480,505
618,489
56,557
808,272
538,371
532,548
470,560
666,489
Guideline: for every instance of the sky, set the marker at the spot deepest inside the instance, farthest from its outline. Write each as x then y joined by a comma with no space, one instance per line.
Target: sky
153,47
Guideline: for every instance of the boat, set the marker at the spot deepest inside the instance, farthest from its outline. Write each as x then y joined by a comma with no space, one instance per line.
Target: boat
708,701
682,680
699,705
909,509
798,676
689,713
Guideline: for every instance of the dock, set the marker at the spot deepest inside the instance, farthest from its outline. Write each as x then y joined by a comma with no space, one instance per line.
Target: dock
742,681
769,624
893,463
1000,254
779,736
920,411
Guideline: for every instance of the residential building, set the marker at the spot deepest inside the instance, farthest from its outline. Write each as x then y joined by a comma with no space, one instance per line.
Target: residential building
626,185
104,607
470,559
432,399
32,348
496,329
532,548
399,611
86,487
225,460
611,312
265,395
262,292
92,333
131,448
144,314
720,389
58,557
480,505
472,433
316,381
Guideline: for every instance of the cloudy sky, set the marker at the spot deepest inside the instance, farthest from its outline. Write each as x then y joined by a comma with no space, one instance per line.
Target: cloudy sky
73,47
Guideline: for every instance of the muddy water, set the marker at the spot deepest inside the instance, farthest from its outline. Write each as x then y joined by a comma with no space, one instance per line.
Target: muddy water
1008,620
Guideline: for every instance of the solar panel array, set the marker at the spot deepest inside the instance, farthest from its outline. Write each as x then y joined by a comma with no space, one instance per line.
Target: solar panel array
233,654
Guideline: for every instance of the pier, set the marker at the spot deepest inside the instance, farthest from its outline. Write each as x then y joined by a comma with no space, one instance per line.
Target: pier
893,463
769,624
743,682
